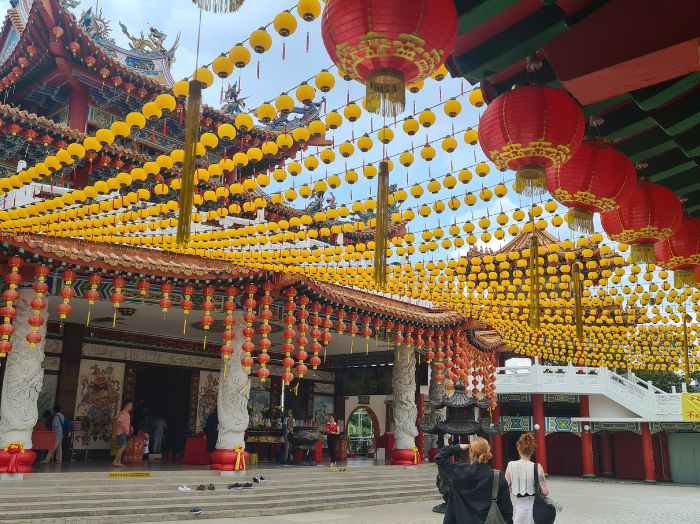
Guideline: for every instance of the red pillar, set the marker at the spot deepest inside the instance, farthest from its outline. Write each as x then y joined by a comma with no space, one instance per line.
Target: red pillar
586,441
420,439
497,441
665,457
648,455
78,106
607,457
538,416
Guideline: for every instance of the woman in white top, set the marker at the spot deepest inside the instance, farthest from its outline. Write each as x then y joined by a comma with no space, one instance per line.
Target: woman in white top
520,475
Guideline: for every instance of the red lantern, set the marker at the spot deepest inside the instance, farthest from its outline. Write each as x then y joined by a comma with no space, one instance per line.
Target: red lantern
652,214
32,50
67,292
187,305
207,306
90,61
229,321
387,44
597,179
57,32
531,129
5,347
74,47
143,286
249,317
166,302
681,252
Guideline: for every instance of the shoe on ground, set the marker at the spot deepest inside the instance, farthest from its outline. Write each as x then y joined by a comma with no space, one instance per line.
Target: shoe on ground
184,488
201,487
259,479
195,511
211,487
248,485
237,485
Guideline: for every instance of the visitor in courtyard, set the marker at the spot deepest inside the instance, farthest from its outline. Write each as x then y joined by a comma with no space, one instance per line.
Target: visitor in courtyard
57,421
472,484
158,428
332,430
123,430
520,475
289,433
211,430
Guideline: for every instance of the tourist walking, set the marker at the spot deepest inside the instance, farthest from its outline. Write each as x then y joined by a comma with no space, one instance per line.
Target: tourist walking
123,430
57,421
473,484
332,430
520,475
158,427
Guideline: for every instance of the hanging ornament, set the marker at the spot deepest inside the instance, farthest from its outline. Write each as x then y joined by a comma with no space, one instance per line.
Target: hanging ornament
367,331
143,285
165,302
67,292
289,334
92,295
219,6
186,304
354,330
380,51
681,252
326,337
316,334
117,296
249,317
207,307
302,341
229,321
398,338
530,129
264,343
381,228
38,304
341,326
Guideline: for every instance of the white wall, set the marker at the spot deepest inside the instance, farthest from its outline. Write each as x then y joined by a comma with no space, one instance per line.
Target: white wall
603,407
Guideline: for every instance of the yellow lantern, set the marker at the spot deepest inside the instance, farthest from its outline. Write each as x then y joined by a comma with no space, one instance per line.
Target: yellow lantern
254,155
482,169
406,158
269,149
325,81
333,120
309,9
240,159
471,137
410,126
305,93
285,24
266,113
426,118
301,135
327,156
181,89
284,103
166,102
317,128
351,177
352,112
476,98
370,171
204,76
222,66
449,144
244,122
284,141
209,140
385,135
294,168
415,87
452,107
427,153
226,131
346,149
364,143
260,40
311,163
440,73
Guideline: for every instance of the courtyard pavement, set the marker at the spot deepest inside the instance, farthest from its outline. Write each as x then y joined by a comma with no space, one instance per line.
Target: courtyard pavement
584,501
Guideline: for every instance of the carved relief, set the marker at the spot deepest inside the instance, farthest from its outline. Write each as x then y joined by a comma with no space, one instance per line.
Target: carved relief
405,411
24,378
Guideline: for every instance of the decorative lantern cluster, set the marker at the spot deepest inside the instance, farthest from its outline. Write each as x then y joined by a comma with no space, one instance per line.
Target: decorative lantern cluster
289,334
117,297
302,341
8,311
207,307
186,304
264,343
229,335
316,334
38,304
67,292
249,317
92,295
165,302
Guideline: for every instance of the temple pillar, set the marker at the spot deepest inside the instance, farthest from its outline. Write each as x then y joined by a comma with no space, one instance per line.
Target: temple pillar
497,441
665,457
606,455
69,372
405,412
648,455
586,440
420,439
24,376
78,107
232,408
538,419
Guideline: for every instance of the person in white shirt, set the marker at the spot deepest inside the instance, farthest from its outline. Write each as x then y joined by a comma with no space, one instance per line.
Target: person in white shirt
158,428
520,475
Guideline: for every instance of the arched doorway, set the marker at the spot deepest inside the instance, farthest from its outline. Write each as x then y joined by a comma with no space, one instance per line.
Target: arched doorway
363,432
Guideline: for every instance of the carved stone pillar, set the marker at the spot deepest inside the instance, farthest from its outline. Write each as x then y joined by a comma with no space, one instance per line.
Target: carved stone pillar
436,390
22,384
405,411
232,407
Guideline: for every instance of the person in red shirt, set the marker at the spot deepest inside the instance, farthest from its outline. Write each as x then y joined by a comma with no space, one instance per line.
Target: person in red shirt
332,430
123,430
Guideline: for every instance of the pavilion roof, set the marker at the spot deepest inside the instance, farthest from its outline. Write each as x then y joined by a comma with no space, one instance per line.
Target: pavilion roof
643,93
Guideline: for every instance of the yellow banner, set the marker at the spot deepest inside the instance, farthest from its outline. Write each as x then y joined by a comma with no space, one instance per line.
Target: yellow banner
691,407
129,474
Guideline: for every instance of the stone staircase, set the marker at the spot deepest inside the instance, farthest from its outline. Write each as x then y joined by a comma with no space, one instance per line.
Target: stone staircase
95,498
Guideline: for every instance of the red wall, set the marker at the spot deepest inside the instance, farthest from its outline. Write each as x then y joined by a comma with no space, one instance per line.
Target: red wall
629,463
564,454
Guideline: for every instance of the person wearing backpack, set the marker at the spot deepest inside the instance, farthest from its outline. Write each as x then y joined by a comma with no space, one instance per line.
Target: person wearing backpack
57,423
479,494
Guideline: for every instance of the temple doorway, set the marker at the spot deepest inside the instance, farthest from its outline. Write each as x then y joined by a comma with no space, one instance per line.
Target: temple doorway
363,430
164,392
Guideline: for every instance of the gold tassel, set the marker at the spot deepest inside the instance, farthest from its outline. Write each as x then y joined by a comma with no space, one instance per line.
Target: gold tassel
87,322
530,180
580,220
184,219
642,253
684,277
534,284
324,355
386,92
219,6
184,326
225,370
381,227
577,290
352,343
114,318
204,345
367,347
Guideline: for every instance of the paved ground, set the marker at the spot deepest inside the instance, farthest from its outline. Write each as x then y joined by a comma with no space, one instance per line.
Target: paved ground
584,501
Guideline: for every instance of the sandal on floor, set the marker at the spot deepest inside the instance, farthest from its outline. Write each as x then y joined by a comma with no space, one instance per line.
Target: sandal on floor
201,487
211,487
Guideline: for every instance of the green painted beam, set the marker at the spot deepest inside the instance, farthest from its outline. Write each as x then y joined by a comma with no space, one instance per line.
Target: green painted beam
674,171
693,209
653,151
688,189
594,109
652,97
482,12
679,115
631,129
517,42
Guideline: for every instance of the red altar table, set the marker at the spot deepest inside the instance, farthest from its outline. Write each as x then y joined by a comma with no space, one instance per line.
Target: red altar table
134,448
196,451
42,438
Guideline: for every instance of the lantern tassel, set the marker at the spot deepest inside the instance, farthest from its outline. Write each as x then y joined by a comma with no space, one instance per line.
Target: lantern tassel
184,221
225,370
87,322
577,291
642,253
530,180
324,354
184,326
580,220
381,228
352,343
684,277
534,284
114,318
367,347
204,345
386,92
219,6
